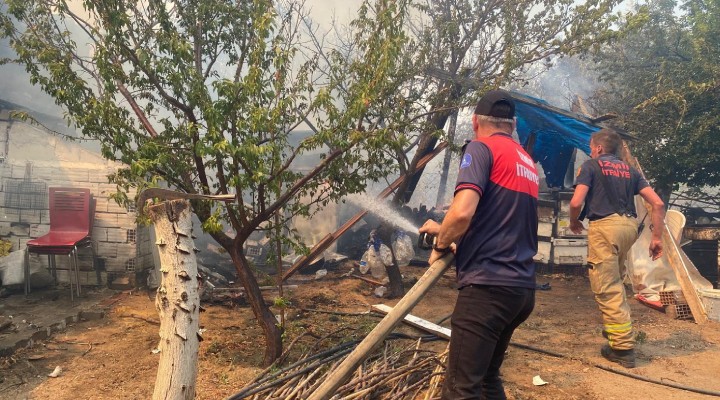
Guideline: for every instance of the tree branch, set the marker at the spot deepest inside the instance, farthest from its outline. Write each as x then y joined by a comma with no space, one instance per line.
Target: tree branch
136,108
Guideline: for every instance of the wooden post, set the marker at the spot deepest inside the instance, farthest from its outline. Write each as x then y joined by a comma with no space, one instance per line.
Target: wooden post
672,252
326,390
177,301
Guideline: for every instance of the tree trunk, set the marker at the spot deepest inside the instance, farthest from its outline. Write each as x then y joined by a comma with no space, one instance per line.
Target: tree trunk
440,202
273,333
265,317
177,301
665,191
436,119
395,286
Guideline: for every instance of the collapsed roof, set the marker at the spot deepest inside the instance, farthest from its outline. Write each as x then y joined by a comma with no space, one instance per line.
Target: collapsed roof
551,135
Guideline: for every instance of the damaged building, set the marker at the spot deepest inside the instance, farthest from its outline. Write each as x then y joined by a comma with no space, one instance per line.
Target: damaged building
32,160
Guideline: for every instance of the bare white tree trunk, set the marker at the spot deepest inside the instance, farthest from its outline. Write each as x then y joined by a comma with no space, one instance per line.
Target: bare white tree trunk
177,301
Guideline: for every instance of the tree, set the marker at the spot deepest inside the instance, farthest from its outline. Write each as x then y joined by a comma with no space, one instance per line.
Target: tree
663,80
204,95
467,47
463,48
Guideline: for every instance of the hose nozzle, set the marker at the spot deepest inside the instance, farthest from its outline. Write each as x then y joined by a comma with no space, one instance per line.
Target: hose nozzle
426,241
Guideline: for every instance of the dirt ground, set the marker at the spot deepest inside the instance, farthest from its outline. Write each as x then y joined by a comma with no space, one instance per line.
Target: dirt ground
112,358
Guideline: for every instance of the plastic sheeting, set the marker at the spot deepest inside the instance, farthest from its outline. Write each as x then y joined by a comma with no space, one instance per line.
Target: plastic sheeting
556,138
649,277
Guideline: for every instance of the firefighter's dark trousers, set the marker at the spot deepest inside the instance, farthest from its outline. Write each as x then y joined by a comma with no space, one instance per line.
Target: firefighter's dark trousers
483,321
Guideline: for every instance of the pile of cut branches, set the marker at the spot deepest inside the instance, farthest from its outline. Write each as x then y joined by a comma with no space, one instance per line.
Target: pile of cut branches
399,370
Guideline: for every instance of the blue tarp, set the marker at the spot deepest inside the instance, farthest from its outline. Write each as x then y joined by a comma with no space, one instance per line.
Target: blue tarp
556,137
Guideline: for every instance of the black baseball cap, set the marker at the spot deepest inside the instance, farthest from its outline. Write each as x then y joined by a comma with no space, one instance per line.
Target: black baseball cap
496,103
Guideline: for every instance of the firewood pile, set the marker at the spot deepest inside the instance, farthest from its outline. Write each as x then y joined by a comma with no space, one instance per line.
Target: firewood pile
401,369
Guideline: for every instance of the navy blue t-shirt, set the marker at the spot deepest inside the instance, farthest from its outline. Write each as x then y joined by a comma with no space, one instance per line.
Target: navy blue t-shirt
624,181
500,244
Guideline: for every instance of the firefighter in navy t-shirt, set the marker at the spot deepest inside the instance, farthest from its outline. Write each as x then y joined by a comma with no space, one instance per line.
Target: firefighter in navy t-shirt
493,220
608,186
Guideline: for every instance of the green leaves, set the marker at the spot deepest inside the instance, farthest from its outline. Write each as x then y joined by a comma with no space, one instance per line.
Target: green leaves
210,95
213,224
207,95
663,78
281,302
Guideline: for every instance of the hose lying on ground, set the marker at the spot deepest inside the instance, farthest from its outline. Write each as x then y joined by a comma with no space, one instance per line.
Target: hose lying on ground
266,380
609,369
617,371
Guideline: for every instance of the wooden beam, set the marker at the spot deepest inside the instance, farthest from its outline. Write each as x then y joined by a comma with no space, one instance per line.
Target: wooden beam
672,252
603,118
417,322
368,280
242,289
322,245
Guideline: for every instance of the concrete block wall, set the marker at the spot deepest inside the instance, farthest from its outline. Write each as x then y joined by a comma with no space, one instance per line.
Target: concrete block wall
145,247
115,232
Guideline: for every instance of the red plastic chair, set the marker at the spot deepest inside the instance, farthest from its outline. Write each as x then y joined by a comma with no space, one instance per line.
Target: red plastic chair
72,213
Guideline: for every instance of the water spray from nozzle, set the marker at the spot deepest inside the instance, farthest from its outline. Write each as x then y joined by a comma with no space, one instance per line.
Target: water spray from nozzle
384,211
